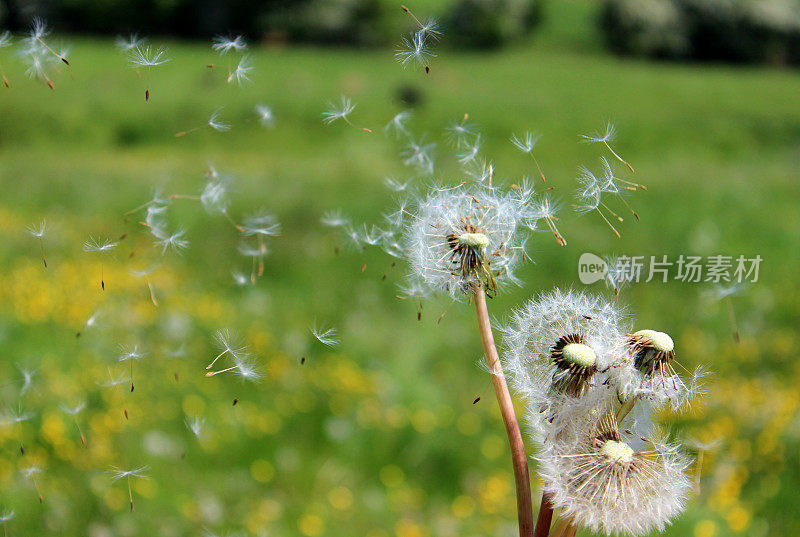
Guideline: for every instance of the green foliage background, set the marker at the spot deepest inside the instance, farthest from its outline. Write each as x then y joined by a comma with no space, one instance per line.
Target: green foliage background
379,436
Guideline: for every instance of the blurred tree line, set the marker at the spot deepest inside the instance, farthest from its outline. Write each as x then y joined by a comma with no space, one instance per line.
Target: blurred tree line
716,30
469,23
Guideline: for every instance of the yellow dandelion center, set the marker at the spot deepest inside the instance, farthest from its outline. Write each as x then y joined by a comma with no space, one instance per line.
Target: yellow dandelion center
474,240
579,354
659,341
617,451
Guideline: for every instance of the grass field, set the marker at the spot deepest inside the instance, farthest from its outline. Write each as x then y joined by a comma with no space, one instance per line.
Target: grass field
378,436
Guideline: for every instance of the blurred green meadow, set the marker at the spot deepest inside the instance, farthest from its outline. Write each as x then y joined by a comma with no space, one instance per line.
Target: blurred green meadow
382,435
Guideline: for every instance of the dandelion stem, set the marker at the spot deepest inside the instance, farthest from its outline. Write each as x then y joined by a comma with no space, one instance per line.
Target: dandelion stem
545,517
518,457
619,158
152,292
698,471
732,315
44,259
80,432
541,173
130,493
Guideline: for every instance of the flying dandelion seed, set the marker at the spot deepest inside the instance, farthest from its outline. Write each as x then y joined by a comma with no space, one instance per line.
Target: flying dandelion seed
223,44
146,57
341,111
526,145
27,379
214,197
230,344
102,247
5,41
145,274
419,155
214,121
136,473
260,225
265,115
126,44
196,425
30,473
114,380
430,28
38,232
458,134
326,336
37,35
725,293
589,197
610,184
240,74
6,516
16,417
91,322
74,411
415,50
604,137
334,218
130,354
170,241
398,124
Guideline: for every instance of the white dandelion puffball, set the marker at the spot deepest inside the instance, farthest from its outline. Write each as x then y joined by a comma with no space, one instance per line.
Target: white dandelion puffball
559,350
462,238
606,485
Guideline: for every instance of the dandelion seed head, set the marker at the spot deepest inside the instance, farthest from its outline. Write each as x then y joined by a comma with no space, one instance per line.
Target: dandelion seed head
602,483
558,351
462,237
